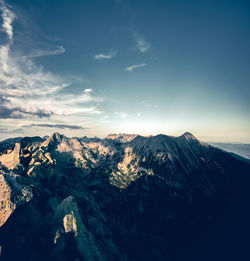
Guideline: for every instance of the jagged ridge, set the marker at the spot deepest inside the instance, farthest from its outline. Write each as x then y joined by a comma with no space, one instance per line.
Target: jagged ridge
125,197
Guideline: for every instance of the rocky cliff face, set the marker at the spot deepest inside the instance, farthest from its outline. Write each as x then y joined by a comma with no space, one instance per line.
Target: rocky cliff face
126,197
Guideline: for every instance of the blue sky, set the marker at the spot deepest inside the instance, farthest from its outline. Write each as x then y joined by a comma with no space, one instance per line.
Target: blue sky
98,67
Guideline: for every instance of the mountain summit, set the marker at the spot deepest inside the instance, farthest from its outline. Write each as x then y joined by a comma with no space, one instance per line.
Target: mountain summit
53,140
124,197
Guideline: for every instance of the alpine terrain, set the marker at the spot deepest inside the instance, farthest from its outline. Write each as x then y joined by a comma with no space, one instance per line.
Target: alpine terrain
124,197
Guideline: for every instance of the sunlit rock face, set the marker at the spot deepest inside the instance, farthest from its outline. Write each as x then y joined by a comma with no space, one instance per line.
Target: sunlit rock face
11,159
125,197
12,195
70,223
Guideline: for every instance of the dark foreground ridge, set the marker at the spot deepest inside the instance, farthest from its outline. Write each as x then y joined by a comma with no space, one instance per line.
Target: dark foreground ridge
125,197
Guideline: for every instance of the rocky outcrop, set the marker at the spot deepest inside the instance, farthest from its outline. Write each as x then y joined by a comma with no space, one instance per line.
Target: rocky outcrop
12,159
69,222
12,195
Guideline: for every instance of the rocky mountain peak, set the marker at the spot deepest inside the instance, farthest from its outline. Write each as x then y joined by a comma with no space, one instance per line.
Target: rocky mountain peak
188,135
125,197
55,139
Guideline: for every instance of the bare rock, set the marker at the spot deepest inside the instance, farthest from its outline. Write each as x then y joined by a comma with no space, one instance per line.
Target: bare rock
70,223
11,160
12,195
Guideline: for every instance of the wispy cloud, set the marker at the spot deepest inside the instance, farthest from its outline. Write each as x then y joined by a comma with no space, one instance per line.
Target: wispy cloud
88,90
106,56
29,91
55,126
52,51
135,66
13,131
141,44
122,115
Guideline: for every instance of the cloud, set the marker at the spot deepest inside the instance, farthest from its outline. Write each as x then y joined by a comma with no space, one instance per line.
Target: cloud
8,16
141,44
19,113
14,131
122,115
135,66
88,90
29,91
52,51
107,56
56,126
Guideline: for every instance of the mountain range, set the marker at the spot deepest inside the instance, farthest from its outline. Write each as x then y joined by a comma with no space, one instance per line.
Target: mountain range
124,197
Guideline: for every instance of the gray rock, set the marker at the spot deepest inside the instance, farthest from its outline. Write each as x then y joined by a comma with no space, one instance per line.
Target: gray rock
12,195
69,220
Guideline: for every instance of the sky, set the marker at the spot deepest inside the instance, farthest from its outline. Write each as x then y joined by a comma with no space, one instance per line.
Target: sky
94,67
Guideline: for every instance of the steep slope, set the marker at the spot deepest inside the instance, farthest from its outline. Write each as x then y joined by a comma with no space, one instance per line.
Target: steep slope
125,197
13,193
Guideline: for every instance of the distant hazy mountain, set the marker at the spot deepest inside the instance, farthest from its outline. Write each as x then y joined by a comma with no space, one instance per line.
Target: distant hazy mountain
122,137
240,149
125,197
